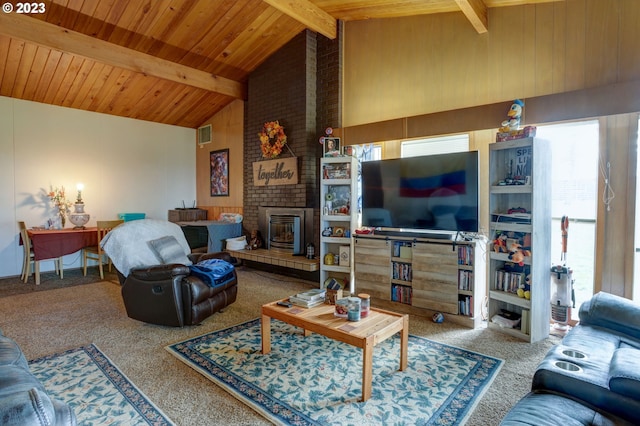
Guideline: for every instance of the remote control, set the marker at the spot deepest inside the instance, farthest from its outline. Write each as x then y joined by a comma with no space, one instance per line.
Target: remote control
284,303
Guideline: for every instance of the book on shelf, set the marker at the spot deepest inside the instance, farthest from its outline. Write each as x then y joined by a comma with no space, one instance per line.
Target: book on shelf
401,293
465,255
465,306
305,303
465,280
525,323
312,295
402,271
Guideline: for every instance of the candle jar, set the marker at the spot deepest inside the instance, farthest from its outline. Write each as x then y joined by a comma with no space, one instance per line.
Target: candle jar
353,308
365,304
329,259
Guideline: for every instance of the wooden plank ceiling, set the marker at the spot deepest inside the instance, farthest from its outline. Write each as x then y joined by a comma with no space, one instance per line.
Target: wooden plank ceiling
173,61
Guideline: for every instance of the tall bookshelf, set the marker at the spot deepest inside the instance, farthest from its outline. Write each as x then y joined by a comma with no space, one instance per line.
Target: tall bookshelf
338,218
423,276
520,211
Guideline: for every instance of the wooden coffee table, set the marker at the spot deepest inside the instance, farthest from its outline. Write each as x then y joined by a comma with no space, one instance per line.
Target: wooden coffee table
378,326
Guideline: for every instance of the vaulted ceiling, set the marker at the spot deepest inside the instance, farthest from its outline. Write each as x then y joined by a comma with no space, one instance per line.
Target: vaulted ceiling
172,61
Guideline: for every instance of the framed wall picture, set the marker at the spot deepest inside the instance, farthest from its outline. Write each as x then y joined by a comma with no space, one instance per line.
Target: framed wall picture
219,172
331,147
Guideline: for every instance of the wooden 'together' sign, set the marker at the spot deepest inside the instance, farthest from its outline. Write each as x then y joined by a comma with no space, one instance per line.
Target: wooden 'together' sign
281,171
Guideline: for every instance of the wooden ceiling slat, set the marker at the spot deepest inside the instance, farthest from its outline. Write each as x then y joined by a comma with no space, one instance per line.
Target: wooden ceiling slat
11,68
139,35
196,114
93,19
24,69
111,19
194,26
58,77
155,94
166,25
70,14
67,81
103,101
47,75
92,70
109,78
55,10
172,99
128,23
85,15
192,110
246,50
39,62
131,92
76,83
5,42
228,29
155,100
101,77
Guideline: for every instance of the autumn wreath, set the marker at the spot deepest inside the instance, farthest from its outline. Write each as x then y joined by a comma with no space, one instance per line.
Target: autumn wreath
272,139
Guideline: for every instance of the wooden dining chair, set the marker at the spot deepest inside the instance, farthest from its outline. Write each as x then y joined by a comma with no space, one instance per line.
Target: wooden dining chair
95,252
29,256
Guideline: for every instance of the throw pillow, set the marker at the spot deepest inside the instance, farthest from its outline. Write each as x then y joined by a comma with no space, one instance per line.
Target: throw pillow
169,250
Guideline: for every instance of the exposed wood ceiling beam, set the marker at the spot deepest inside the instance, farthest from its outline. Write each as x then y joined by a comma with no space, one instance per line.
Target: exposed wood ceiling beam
308,14
58,38
476,13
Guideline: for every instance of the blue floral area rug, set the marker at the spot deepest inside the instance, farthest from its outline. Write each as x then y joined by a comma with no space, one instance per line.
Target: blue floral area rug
95,388
318,381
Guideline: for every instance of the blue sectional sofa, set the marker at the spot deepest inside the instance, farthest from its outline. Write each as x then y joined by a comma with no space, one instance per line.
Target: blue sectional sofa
593,376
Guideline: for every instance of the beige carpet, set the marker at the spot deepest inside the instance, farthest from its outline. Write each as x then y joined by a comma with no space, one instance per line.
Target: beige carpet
45,322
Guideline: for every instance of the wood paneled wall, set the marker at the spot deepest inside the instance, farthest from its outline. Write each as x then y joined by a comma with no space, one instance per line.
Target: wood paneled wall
227,129
424,64
615,248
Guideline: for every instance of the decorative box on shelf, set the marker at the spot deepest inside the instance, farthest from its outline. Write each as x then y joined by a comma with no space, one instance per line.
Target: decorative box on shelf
526,132
336,171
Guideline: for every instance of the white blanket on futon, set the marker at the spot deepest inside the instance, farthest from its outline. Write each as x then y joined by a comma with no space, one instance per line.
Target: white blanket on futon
127,245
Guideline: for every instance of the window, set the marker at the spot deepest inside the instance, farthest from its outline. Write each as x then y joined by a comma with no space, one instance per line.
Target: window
574,176
437,145
370,152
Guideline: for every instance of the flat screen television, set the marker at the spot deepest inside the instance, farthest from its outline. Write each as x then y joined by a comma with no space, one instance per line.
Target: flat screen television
427,193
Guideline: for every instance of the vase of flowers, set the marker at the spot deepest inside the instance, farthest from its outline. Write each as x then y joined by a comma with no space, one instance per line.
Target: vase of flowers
60,202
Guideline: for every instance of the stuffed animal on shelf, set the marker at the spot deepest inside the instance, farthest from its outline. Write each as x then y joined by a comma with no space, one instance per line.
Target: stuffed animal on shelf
517,253
525,289
512,123
500,244
255,241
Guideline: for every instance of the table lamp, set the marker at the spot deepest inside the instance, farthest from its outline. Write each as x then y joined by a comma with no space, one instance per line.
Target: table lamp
79,218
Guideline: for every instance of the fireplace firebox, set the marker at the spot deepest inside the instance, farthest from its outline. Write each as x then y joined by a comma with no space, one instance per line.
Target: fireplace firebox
286,228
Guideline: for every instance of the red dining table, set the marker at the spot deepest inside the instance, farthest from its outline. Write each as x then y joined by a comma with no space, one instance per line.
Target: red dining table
55,243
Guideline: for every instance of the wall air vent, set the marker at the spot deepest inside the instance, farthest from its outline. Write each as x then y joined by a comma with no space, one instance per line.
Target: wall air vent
205,135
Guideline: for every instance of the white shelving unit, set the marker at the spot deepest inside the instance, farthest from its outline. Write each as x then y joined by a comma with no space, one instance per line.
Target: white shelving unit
338,218
520,179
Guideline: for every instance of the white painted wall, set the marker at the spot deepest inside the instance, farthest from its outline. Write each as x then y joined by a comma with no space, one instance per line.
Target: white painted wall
125,165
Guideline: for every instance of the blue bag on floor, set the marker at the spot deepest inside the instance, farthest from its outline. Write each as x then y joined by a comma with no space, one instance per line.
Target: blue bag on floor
214,272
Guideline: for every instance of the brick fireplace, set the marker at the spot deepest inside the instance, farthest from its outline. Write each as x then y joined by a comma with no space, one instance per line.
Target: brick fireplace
300,87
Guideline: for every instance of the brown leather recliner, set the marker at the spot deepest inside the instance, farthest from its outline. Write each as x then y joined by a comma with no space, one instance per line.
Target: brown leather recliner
169,295
151,257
